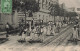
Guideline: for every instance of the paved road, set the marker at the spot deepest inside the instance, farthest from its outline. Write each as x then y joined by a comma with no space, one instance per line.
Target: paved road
57,41
60,39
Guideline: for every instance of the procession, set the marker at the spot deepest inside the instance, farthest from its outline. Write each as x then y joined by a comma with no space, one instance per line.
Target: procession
37,32
39,23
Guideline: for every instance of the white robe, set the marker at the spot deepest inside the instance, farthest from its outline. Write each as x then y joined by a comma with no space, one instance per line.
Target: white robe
75,33
53,31
48,30
23,35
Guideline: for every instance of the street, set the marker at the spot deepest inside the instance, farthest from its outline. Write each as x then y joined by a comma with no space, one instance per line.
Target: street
57,40
56,43
39,25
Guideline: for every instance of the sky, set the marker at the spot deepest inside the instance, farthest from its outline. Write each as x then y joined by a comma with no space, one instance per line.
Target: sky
71,3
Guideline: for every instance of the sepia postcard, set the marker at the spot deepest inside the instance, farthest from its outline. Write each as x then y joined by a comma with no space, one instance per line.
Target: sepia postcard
39,25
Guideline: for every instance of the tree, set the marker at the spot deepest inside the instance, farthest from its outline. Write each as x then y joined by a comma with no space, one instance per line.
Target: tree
72,15
29,6
61,13
54,10
15,5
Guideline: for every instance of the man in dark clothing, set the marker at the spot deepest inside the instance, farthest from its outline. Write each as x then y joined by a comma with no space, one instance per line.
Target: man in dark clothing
7,29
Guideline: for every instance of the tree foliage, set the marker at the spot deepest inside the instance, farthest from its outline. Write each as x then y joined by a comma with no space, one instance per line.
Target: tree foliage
61,13
72,14
15,5
54,9
31,5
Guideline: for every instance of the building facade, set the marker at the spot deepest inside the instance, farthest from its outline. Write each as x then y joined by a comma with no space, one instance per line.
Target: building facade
4,18
43,14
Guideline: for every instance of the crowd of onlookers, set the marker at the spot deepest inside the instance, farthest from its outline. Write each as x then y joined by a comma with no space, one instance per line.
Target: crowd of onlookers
37,30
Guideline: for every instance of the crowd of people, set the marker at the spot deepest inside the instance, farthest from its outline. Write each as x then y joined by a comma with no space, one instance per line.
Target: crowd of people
37,32
41,30
75,32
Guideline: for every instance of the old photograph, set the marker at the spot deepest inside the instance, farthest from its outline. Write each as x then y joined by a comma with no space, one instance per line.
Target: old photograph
39,25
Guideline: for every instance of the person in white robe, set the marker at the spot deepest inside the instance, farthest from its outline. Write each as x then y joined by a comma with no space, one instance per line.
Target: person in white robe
75,32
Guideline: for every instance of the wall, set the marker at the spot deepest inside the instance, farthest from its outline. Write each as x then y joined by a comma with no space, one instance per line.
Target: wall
4,19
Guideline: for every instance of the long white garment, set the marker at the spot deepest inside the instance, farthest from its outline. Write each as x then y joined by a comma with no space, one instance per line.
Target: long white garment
48,30
35,35
23,35
75,33
42,35
60,24
32,34
7,26
54,28
26,29
44,30
53,31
